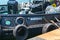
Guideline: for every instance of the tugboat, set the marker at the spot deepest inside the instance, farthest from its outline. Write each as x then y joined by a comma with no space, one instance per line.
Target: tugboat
34,20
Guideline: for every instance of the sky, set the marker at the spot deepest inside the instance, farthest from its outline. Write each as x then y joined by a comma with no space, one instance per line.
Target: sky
5,1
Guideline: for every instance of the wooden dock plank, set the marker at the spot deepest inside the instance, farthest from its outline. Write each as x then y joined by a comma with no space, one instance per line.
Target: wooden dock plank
52,35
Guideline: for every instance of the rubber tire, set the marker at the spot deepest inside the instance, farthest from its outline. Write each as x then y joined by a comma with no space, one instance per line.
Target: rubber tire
20,37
